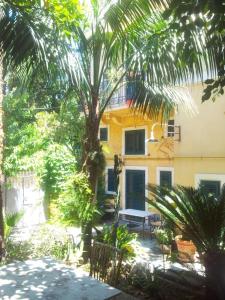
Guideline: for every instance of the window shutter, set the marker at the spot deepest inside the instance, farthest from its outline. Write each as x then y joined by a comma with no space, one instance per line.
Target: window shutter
103,134
111,181
211,187
135,142
166,179
170,129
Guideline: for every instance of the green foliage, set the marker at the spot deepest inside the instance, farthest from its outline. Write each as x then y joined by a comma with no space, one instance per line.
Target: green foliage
144,278
57,165
10,221
163,236
50,241
206,17
46,241
124,238
17,251
34,119
75,203
200,214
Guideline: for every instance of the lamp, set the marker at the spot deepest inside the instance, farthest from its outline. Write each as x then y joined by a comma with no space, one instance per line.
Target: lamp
176,133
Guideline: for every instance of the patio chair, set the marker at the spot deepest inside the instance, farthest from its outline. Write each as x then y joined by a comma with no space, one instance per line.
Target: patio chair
105,263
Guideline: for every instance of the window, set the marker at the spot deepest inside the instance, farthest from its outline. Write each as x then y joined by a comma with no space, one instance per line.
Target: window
211,187
111,182
135,142
103,134
170,128
165,179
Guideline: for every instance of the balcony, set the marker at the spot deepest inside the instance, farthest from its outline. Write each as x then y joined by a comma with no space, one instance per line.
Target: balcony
122,98
119,102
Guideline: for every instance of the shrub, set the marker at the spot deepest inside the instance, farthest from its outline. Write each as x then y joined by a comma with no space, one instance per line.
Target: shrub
124,238
75,205
164,236
10,221
17,251
51,241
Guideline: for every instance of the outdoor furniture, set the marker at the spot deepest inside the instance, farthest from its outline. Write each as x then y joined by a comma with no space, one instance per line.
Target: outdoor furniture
105,262
48,279
135,216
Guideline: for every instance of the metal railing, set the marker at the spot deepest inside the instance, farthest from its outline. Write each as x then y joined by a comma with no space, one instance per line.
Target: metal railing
117,101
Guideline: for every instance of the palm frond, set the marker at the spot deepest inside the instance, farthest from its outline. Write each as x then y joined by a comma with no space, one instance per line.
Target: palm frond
202,216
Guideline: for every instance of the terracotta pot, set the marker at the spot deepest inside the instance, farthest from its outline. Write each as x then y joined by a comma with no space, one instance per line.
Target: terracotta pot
129,102
166,249
186,250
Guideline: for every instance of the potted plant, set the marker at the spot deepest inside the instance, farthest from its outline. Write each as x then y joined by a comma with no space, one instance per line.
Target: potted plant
164,238
202,217
186,248
129,102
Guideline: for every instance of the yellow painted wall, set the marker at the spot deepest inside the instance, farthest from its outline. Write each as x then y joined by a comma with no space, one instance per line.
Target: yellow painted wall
203,134
200,151
202,146
157,155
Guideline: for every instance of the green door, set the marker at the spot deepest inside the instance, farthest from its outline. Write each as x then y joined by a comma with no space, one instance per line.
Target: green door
135,189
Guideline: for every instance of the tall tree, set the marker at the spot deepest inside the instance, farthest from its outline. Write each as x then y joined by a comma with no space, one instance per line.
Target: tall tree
127,42
26,44
207,16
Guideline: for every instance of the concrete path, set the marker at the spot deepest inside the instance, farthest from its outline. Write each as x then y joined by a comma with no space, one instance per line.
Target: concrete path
46,279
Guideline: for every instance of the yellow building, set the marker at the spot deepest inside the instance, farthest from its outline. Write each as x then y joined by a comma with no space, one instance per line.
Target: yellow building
190,151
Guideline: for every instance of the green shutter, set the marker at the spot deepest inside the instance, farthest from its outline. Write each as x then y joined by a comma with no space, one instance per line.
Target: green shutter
135,142
170,129
211,187
111,181
166,179
104,134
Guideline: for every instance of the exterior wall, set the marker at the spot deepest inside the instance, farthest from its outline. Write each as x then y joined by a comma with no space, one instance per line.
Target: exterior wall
199,154
203,134
202,146
22,193
156,155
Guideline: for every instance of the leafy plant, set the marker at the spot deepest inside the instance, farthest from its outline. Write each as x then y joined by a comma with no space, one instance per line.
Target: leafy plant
75,203
17,251
163,236
203,217
58,164
50,241
124,238
10,221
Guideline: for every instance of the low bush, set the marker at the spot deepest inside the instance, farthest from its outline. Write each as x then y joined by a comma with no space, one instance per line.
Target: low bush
124,238
47,241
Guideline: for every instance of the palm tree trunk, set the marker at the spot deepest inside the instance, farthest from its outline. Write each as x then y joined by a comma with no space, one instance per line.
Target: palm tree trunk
1,160
215,275
92,164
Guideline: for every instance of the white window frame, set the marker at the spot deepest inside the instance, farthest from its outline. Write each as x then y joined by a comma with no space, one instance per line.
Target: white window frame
106,181
103,126
123,140
209,177
140,168
159,169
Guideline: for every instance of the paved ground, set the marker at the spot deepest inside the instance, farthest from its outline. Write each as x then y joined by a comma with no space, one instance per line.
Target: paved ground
146,248
46,279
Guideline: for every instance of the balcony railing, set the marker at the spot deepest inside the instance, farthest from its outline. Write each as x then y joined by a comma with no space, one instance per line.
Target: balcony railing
117,101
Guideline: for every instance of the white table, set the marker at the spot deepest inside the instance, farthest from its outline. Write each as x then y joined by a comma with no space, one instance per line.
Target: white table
142,214
48,279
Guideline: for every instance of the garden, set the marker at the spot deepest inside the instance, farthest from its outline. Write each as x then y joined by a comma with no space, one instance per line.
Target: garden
61,63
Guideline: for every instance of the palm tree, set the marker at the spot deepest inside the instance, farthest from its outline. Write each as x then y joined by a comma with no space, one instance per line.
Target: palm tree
128,42
25,41
203,218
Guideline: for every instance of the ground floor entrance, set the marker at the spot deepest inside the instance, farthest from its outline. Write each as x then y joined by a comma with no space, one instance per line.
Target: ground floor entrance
135,181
